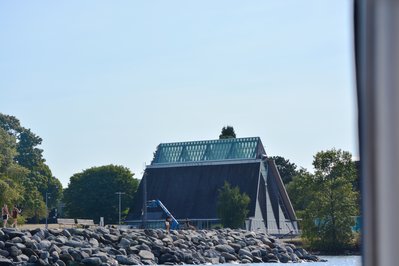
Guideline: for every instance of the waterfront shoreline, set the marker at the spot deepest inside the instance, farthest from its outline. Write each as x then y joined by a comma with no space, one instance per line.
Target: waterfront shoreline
353,250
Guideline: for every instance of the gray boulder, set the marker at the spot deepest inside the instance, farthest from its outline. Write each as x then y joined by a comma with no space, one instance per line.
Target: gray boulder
246,258
74,243
4,253
143,247
244,252
41,234
66,233
60,263
61,239
65,257
225,248
211,253
228,256
44,244
22,257
124,243
55,255
146,255
102,256
28,252
256,253
16,239
283,257
257,259
168,258
94,242
76,255
11,233
33,259
235,246
102,230
14,251
5,262
213,260
20,245
246,261
92,261
126,260
112,238
55,248
44,255
133,250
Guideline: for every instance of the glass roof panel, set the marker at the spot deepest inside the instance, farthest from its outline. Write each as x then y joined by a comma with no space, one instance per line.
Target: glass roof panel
208,150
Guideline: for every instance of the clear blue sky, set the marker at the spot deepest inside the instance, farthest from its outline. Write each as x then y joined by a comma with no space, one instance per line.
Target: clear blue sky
106,81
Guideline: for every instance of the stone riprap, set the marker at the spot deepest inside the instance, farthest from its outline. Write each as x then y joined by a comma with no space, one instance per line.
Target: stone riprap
111,246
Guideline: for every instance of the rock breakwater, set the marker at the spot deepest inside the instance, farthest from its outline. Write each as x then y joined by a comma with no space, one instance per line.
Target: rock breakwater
110,247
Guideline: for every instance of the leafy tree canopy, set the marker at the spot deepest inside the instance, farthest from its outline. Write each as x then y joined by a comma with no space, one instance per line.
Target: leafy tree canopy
232,206
227,133
10,189
29,156
298,190
286,169
14,187
91,193
326,199
8,150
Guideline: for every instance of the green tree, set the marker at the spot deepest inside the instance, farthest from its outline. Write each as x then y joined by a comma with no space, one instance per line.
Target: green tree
7,150
232,206
14,178
33,205
357,184
286,169
10,191
91,193
227,133
330,201
29,155
300,190
10,188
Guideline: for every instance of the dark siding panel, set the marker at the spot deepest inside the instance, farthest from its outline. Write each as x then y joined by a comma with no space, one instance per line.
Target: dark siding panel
262,199
191,192
273,192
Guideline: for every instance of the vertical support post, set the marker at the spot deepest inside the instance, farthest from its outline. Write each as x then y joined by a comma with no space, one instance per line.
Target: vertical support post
377,63
120,204
119,208
144,200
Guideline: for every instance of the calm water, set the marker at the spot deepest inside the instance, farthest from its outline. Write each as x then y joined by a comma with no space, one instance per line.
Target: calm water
332,261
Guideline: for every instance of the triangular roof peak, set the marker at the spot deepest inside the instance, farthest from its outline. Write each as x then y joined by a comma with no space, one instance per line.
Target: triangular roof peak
209,150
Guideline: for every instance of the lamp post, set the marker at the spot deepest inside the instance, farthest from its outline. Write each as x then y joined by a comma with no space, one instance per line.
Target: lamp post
144,221
120,194
47,196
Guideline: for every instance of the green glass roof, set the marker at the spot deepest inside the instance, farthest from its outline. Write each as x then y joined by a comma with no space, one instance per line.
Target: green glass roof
208,150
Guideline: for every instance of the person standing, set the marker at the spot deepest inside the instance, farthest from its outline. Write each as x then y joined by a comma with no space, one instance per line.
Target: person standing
4,214
14,214
167,224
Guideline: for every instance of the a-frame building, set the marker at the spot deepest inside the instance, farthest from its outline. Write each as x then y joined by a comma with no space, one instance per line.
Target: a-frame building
187,176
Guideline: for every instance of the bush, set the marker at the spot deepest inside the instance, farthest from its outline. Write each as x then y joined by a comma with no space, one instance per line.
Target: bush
232,206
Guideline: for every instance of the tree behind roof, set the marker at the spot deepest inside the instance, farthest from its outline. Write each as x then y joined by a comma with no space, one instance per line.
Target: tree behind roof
227,133
286,169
